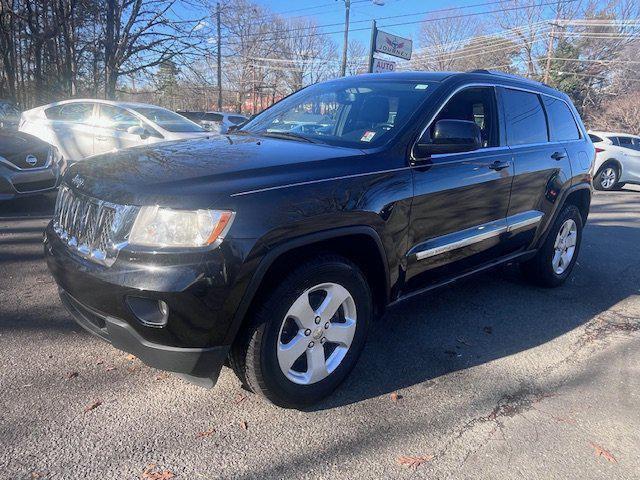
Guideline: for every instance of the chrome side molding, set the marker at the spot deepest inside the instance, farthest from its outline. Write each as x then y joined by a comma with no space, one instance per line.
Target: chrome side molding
464,238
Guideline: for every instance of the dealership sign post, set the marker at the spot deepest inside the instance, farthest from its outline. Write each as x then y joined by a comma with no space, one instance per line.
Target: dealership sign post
389,44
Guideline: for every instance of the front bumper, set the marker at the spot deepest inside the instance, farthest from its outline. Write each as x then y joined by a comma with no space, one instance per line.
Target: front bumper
22,183
198,365
201,291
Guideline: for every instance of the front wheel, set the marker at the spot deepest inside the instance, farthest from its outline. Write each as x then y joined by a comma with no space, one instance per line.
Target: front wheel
555,260
307,334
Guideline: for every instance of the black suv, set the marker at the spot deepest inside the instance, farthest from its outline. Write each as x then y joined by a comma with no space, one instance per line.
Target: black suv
274,247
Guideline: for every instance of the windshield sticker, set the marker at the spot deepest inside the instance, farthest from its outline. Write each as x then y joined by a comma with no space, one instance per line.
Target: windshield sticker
368,136
422,86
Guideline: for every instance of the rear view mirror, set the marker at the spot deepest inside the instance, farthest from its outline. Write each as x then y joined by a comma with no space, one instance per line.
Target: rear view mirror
449,136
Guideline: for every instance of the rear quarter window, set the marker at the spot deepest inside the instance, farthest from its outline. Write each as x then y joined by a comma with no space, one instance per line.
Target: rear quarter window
562,124
595,138
525,118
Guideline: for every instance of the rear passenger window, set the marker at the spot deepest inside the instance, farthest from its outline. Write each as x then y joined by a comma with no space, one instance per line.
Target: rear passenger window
595,138
526,122
562,125
71,112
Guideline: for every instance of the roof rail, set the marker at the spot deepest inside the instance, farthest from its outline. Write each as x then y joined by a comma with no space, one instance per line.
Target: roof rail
507,75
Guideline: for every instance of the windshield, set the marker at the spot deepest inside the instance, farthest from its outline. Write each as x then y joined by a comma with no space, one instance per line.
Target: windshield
9,112
170,121
354,113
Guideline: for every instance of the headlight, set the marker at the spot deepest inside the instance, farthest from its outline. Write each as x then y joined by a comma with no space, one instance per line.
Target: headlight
165,227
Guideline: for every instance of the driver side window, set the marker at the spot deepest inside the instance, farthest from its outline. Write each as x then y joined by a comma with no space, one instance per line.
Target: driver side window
475,104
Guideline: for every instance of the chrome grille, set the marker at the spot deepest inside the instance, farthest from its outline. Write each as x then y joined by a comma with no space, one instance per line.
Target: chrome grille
93,228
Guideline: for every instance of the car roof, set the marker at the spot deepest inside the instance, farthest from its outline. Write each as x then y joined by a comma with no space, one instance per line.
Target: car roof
106,102
612,134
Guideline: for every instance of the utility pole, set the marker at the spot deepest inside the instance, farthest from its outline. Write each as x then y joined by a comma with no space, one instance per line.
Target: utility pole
343,69
372,47
219,57
547,68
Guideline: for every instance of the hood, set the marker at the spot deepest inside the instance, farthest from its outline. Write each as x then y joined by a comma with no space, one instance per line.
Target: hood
192,173
17,146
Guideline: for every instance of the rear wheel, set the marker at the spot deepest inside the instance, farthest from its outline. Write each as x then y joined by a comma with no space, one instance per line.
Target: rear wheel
607,177
307,334
555,260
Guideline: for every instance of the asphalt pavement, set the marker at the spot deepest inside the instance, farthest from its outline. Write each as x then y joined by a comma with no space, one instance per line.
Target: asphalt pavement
489,378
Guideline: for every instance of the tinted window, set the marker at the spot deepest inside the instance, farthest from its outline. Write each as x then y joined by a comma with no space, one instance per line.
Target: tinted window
595,138
237,120
614,140
562,125
117,118
168,120
636,143
212,117
475,105
71,112
625,142
526,122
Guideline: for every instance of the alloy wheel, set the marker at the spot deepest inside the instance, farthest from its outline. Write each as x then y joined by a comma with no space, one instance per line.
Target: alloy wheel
564,246
316,333
608,178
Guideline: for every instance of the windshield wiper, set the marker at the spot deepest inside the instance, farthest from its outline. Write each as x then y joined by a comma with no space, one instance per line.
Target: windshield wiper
288,136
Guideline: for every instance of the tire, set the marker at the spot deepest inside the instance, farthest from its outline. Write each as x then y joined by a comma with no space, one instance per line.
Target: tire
262,346
541,269
607,178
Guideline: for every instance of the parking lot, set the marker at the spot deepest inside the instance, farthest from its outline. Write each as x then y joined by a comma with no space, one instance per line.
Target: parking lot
489,378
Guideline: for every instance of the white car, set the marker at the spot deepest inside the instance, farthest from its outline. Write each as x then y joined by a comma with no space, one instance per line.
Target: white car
617,159
82,128
219,122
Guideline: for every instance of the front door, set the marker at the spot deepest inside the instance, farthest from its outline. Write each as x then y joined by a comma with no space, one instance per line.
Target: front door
460,202
112,129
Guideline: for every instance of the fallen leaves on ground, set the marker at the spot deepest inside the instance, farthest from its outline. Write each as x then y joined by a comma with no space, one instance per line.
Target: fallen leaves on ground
108,369
413,462
153,473
395,396
601,452
99,362
92,406
243,425
133,369
71,375
240,398
206,433
130,357
162,376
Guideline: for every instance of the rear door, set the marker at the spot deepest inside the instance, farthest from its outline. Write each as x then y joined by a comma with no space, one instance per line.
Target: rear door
631,167
541,164
71,129
458,216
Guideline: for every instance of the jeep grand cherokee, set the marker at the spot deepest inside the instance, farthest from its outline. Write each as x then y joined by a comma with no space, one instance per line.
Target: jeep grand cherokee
274,247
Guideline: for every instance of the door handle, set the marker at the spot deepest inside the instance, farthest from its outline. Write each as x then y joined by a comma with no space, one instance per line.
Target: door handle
558,155
497,165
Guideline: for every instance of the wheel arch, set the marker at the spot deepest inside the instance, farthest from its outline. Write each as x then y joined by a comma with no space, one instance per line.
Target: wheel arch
612,160
578,195
360,244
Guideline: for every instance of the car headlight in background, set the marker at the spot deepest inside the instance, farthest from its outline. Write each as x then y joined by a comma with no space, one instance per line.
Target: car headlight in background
166,228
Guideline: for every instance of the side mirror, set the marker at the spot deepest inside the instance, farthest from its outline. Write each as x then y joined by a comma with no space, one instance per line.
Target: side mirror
449,136
138,130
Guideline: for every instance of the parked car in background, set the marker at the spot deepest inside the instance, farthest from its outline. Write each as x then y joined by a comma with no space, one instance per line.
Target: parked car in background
82,128
9,115
617,159
276,249
219,122
28,166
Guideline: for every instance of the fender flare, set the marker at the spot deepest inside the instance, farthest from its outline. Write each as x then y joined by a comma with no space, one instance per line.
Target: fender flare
561,203
272,255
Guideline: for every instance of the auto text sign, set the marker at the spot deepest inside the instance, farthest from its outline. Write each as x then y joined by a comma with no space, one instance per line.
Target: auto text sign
381,66
393,45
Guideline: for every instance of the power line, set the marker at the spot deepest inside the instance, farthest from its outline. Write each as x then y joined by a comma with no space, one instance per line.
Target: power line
415,22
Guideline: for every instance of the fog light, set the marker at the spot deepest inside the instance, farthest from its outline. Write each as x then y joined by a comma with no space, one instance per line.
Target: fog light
148,311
